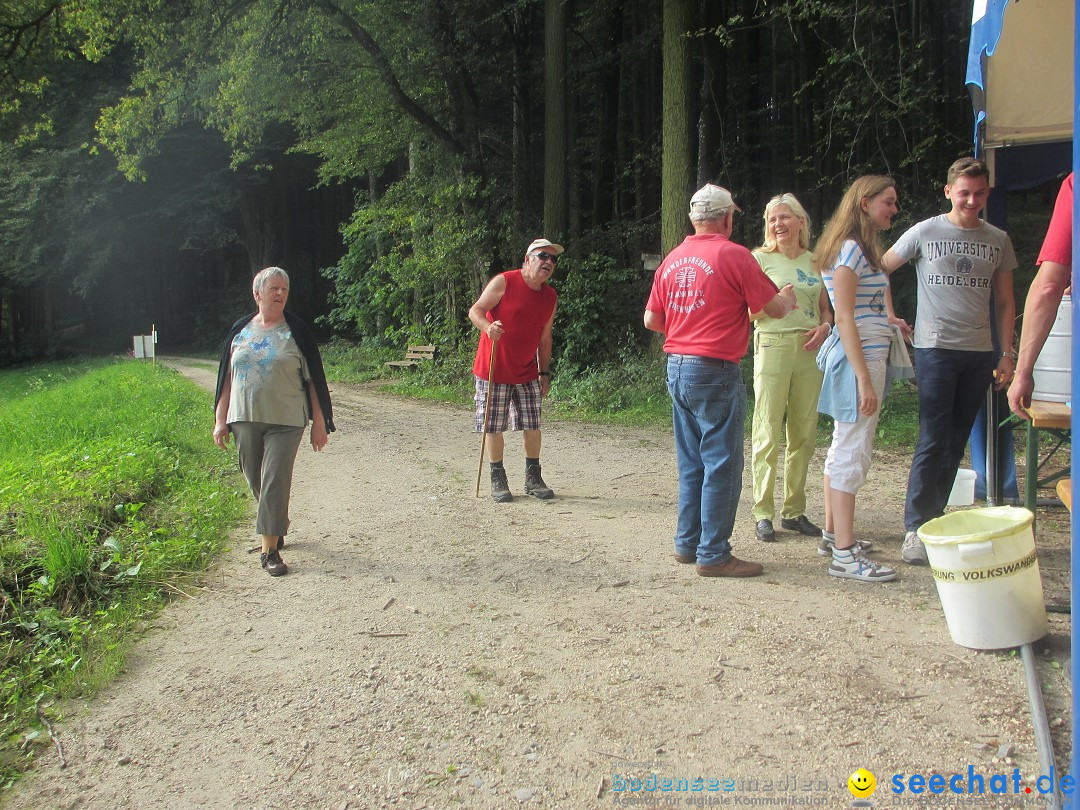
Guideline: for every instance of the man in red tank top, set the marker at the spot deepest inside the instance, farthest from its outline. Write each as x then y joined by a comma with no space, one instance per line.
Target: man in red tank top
514,314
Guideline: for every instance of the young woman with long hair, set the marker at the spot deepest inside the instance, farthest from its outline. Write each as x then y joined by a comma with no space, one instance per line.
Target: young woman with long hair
849,257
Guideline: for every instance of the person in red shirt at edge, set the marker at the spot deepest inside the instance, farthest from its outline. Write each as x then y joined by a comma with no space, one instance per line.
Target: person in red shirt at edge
515,313
1044,297
701,298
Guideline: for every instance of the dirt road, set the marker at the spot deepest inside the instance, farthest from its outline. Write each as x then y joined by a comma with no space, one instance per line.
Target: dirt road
429,649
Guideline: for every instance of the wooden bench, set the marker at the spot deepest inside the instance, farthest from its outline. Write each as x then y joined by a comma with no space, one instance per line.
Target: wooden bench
414,356
1064,491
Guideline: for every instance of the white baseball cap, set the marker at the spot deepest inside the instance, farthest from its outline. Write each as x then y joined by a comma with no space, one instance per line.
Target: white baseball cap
710,199
544,243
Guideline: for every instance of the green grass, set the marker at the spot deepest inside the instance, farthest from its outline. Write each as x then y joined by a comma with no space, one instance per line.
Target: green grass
111,494
347,362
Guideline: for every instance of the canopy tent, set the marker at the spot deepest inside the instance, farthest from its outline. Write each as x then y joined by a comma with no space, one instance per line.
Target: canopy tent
1022,90
1017,71
1023,129
1023,69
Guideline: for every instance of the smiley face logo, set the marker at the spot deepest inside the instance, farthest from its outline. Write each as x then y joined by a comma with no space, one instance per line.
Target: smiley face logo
861,783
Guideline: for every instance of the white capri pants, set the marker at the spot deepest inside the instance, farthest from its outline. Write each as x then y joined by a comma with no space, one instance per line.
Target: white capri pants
848,461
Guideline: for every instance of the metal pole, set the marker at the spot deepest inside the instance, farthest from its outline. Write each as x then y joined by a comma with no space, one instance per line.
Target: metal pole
1044,744
1074,663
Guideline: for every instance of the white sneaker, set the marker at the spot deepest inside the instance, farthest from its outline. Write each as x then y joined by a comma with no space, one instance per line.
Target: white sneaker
825,546
913,551
860,568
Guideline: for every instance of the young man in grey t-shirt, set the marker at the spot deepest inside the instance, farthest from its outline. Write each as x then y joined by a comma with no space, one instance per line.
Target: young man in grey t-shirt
960,260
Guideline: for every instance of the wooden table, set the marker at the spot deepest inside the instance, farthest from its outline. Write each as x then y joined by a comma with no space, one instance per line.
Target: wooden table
1053,416
1064,490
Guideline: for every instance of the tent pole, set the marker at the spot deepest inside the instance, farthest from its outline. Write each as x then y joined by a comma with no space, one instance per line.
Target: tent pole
1075,525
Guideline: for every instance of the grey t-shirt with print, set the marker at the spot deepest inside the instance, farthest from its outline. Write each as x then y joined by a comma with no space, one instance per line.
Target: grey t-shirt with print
268,374
956,268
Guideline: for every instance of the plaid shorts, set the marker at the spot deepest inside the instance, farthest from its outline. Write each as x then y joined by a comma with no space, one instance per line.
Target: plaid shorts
513,406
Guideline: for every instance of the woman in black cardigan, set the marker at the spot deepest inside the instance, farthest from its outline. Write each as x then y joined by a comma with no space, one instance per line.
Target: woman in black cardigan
270,382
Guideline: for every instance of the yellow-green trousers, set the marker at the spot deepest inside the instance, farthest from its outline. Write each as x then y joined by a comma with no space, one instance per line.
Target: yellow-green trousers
786,379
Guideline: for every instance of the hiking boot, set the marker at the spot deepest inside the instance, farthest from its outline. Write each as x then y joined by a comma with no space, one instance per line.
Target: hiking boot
854,565
913,551
734,567
764,531
500,488
534,484
825,546
801,524
272,562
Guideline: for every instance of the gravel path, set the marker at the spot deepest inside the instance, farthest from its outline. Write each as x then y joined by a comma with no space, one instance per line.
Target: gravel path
430,649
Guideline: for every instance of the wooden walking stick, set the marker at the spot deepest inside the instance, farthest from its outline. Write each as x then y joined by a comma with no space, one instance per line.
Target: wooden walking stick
487,411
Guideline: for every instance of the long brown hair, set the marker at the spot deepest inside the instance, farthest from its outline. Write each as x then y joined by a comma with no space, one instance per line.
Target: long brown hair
850,221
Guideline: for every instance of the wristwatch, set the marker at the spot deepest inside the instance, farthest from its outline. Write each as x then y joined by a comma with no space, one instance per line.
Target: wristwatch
1011,354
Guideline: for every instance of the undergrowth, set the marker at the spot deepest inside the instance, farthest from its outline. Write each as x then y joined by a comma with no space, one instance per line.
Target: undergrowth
630,391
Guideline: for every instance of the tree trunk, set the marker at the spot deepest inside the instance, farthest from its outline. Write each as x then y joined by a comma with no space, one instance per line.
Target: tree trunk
556,195
604,186
710,121
519,170
676,167
419,283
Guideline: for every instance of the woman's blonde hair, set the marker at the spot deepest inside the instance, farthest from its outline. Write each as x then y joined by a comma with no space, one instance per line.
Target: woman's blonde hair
768,243
850,221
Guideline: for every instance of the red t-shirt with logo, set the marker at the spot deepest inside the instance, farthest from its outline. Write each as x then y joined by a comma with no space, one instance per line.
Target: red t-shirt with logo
704,289
1057,246
524,313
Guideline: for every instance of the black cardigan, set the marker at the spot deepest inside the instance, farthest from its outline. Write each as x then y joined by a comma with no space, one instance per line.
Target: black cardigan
305,341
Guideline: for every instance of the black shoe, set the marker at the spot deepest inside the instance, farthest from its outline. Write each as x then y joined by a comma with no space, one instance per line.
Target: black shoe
272,562
534,483
500,488
764,531
802,525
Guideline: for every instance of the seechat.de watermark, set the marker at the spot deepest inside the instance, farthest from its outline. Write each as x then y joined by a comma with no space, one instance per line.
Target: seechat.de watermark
977,784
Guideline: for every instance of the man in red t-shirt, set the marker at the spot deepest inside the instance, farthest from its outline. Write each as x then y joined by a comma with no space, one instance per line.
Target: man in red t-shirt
514,314
701,298
1044,297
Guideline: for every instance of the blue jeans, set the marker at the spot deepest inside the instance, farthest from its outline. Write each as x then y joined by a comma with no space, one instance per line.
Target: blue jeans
952,387
1006,456
708,405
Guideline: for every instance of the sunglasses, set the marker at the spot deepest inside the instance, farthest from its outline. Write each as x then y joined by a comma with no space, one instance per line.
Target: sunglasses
547,257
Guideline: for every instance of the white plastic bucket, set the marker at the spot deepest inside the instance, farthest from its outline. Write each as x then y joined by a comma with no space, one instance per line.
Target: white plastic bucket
1052,373
987,576
963,488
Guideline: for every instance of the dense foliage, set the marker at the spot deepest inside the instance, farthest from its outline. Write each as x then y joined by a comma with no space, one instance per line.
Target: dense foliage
393,156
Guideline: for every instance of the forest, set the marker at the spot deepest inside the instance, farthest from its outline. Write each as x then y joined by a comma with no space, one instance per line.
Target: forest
392,156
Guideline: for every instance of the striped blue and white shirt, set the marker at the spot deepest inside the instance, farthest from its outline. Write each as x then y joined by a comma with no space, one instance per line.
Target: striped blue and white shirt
870,317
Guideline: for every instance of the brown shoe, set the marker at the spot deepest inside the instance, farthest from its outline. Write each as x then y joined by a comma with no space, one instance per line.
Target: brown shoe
734,567
500,489
272,562
686,559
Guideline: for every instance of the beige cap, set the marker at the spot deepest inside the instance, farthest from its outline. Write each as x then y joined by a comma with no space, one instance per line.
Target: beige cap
544,243
710,199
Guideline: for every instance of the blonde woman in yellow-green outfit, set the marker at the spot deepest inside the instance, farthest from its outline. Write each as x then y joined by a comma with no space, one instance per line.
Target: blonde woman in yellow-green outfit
786,376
